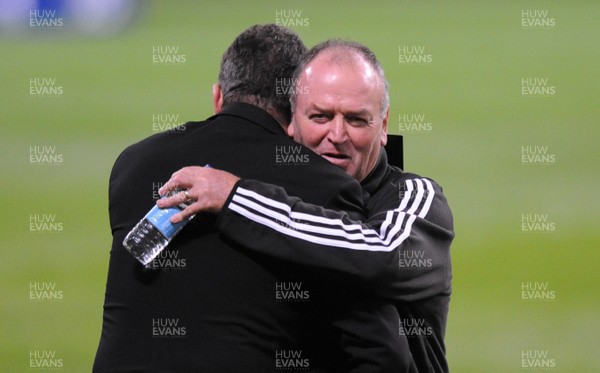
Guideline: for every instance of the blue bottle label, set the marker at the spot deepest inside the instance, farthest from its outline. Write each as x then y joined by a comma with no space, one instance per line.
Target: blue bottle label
160,219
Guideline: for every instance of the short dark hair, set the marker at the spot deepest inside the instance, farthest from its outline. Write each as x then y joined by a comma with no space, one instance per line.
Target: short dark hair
255,65
342,52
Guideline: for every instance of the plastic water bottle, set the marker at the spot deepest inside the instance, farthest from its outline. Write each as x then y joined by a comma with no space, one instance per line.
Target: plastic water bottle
154,232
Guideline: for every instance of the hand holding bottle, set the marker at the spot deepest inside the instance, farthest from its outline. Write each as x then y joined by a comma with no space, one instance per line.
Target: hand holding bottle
206,188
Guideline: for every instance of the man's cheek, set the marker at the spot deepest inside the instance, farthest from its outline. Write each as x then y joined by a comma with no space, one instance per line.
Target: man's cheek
309,137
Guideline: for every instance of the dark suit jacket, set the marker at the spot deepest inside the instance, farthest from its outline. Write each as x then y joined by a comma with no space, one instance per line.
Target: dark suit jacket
207,306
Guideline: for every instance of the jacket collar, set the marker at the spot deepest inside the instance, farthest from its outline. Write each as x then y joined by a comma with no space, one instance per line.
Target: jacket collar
373,181
254,114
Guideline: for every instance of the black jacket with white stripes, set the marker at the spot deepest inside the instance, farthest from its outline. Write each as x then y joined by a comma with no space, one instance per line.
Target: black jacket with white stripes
401,253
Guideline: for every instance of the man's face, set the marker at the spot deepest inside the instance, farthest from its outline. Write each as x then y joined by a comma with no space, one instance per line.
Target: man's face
338,114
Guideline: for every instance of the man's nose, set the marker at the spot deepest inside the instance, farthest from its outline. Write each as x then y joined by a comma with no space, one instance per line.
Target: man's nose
337,130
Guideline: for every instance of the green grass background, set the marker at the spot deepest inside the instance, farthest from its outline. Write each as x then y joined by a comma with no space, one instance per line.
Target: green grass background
471,93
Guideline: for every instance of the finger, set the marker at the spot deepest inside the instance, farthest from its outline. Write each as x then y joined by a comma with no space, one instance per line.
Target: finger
182,179
170,201
168,187
186,213
176,182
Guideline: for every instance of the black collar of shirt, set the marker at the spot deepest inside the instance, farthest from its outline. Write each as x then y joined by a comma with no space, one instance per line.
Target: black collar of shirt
373,181
254,114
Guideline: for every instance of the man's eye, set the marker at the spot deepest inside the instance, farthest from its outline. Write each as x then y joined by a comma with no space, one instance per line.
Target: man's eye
318,117
357,121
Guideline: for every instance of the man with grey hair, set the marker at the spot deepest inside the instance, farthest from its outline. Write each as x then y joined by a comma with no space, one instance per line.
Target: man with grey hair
401,253
207,304
344,52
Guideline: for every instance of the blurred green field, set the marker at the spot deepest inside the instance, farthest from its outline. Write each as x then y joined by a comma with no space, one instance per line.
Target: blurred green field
470,92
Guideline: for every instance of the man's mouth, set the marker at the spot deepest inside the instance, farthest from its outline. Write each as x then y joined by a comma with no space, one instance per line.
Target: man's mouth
338,159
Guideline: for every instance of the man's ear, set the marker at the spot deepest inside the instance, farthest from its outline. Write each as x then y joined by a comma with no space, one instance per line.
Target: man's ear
217,96
291,129
384,127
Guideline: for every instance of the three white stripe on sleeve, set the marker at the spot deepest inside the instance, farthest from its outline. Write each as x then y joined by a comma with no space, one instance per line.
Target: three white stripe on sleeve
321,230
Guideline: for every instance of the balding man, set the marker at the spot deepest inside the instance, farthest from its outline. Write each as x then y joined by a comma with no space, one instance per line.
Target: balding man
401,253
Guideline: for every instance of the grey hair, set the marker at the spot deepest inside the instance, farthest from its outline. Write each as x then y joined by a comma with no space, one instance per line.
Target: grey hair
254,65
